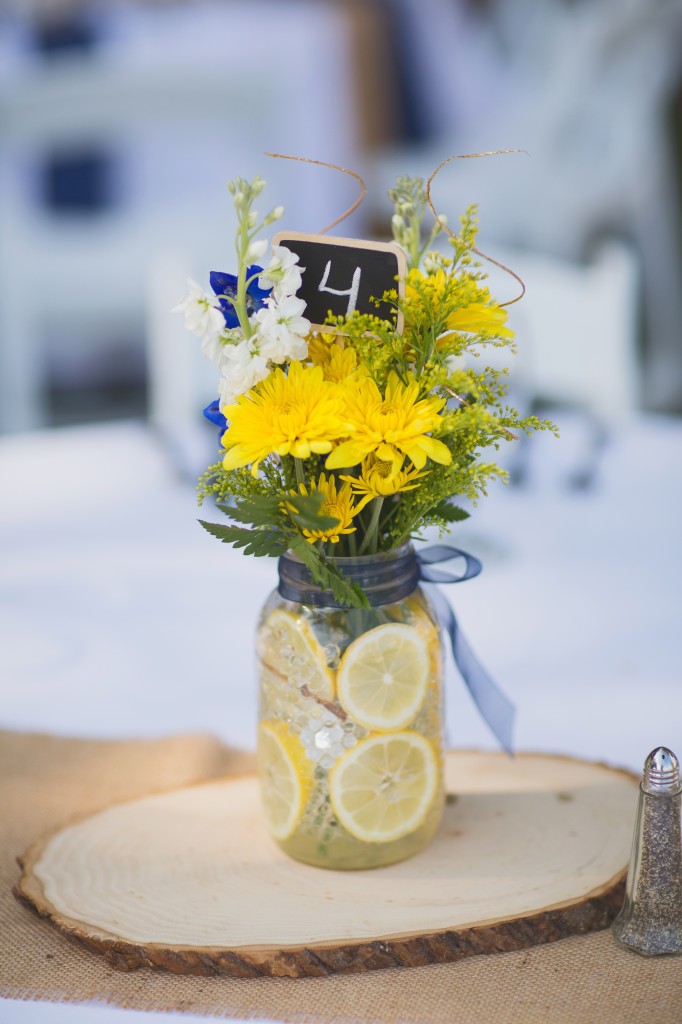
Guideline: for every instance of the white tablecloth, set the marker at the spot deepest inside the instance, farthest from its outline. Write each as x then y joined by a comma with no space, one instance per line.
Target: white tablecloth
120,616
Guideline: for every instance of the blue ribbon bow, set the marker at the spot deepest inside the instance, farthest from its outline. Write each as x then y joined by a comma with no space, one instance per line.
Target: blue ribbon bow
497,710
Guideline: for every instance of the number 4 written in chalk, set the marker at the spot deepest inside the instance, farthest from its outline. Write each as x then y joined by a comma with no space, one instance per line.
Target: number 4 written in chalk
351,292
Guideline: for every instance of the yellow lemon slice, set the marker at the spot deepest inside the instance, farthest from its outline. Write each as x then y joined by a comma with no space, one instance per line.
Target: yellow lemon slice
285,776
290,648
382,789
383,676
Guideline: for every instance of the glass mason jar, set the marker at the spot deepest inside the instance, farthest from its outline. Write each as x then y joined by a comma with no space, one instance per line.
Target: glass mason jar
350,740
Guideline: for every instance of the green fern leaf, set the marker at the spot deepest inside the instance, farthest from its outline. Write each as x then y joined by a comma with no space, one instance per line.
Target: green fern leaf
261,542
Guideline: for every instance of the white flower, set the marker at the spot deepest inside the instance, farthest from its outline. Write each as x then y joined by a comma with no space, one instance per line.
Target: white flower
244,366
283,330
256,250
216,347
201,316
279,351
282,273
212,348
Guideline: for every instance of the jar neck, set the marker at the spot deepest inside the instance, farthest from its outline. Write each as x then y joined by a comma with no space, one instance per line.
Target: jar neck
385,578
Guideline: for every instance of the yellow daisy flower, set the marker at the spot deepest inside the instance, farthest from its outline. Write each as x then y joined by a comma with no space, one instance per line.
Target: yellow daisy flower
391,427
428,285
337,504
379,480
479,318
299,414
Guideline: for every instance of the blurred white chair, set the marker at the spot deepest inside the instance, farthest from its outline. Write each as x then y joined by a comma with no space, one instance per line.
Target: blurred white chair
577,330
181,117
598,130
577,360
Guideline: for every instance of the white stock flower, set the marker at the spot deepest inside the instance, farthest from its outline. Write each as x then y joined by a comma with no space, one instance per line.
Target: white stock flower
283,330
282,273
201,316
215,347
244,366
212,348
256,250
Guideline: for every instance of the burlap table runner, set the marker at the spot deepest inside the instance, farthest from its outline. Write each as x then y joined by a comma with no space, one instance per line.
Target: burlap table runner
45,780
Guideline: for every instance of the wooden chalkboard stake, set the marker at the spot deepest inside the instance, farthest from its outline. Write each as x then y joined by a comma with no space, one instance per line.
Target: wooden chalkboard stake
366,264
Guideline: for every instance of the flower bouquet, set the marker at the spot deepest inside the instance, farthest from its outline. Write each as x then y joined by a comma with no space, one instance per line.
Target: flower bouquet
339,445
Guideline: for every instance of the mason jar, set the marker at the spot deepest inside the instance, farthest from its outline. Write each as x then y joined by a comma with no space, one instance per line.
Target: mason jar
350,738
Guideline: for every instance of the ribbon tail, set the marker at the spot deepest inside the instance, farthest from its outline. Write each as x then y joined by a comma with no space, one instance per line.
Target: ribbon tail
497,710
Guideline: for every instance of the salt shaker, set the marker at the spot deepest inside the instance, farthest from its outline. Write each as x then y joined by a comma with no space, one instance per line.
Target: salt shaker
650,922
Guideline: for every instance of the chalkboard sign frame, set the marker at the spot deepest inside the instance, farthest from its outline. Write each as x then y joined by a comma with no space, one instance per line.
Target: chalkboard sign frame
290,238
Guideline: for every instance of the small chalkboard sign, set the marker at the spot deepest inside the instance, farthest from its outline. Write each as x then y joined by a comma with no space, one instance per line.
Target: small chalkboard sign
344,274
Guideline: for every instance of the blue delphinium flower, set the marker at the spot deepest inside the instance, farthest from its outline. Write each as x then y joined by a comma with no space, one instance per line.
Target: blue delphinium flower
226,284
213,415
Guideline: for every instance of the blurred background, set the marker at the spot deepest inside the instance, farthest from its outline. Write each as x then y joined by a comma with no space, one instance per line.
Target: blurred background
120,124
121,121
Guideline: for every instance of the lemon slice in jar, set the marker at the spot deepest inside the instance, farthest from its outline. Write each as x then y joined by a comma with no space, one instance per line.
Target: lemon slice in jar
285,775
382,789
383,676
289,648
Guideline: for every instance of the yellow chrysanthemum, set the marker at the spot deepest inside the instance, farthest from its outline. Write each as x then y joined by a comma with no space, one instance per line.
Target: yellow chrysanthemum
299,414
338,504
319,348
343,363
338,364
478,318
390,427
378,479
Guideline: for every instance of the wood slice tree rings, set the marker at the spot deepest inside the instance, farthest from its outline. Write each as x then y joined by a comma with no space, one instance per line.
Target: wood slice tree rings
530,850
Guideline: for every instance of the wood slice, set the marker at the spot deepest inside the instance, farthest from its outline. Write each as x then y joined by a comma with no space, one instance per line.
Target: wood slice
530,850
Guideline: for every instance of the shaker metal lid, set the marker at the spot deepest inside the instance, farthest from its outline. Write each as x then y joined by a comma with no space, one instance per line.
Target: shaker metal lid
661,772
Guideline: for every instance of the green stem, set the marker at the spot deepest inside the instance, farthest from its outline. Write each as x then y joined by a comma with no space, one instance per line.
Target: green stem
373,530
240,302
286,468
435,231
300,473
414,246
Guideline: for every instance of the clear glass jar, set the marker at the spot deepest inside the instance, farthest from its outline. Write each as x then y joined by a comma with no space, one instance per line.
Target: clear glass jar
350,743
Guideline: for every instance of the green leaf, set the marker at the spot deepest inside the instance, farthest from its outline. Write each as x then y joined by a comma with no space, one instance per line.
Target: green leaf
256,510
279,510
255,542
328,576
450,513
304,510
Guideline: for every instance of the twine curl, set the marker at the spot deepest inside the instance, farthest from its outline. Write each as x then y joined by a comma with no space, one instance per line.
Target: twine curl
334,167
475,156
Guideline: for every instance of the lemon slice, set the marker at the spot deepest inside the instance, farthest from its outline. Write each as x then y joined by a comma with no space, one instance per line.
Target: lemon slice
290,648
383,788
383,676
285,775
